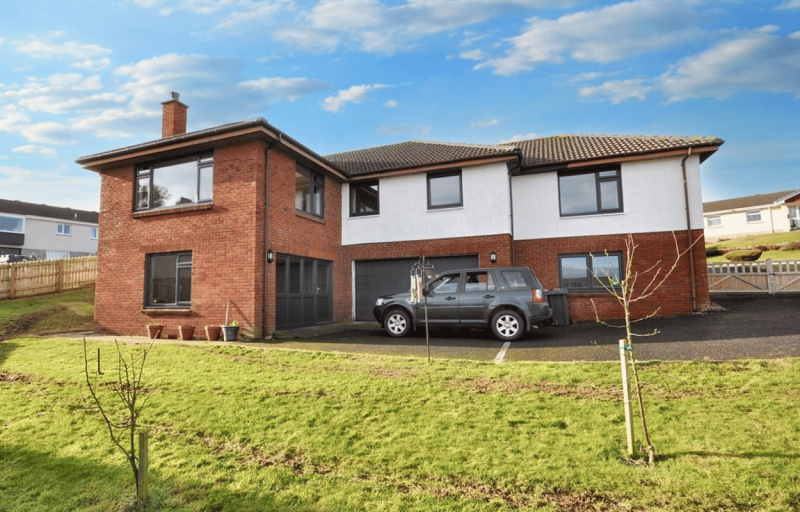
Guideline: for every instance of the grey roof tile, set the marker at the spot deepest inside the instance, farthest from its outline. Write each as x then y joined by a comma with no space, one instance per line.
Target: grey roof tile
43,210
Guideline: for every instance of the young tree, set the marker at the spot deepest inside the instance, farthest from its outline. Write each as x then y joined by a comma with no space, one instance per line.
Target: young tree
629,288
129,389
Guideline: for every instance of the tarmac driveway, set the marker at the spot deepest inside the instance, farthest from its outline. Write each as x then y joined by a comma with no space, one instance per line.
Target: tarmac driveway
750,327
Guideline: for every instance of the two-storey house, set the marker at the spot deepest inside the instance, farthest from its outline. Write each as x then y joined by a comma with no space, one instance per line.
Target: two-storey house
244,218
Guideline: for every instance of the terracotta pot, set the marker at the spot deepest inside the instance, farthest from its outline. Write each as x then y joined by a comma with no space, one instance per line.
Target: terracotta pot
186,332
155,331
212,332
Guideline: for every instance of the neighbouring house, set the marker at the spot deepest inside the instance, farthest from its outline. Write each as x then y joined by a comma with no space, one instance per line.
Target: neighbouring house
752,215
242,216
43,232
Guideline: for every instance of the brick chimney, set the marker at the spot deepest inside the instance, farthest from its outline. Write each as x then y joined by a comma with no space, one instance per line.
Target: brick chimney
173,121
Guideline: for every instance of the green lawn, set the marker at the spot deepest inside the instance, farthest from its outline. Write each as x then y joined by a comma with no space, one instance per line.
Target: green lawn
237,428
756,240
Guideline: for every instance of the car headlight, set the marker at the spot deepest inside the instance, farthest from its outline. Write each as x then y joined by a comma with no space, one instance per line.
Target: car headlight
379,302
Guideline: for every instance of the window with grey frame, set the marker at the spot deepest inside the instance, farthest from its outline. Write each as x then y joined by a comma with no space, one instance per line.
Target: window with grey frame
172,183
169,280
309,194
364,198
589,272
590,192
444,190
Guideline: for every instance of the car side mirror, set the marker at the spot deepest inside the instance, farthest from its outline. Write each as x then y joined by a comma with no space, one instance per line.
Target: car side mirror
426,292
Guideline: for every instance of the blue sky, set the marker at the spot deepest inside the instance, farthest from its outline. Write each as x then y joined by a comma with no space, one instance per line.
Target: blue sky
88,76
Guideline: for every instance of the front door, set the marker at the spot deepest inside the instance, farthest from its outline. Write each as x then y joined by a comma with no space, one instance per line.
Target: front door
302,292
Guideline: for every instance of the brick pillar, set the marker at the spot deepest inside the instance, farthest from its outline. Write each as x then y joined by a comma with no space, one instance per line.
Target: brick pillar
173,121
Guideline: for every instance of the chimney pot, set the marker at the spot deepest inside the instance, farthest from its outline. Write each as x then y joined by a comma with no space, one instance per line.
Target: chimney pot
173,121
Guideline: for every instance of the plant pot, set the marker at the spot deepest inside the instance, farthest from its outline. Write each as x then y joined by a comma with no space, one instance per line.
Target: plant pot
186,332
155,331
212,332
230,332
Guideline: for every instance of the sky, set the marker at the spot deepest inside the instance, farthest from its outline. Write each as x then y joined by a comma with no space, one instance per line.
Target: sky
85,76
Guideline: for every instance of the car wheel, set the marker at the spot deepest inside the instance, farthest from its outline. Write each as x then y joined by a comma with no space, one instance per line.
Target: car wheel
397,323
507,325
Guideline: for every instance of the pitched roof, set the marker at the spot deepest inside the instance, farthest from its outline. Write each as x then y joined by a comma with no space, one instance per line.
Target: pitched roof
563,149
408,155
544,152
43,210
748,202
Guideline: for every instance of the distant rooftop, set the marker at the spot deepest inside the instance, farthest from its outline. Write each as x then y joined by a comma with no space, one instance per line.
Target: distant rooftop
748,201
43,210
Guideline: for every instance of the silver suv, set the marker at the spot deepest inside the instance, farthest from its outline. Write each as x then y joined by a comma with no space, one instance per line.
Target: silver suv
509,300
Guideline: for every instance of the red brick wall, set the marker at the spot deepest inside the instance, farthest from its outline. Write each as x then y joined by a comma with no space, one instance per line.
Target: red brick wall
298,234
653,249
227,243
480,245
224,242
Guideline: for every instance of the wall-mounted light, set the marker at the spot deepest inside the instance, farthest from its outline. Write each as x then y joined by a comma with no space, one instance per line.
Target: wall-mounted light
270,256
493,257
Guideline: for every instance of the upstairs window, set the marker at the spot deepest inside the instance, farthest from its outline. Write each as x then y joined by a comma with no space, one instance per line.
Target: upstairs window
444,190
93,234
169,280
179,182
11,224
589,272
592,192
364,198
309,192
64,229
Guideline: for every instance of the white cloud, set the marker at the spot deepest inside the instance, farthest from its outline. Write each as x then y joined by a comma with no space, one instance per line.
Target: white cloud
522,137
70,49
391,104
251,12
486,123
289,89
93,64
63,93
474,55
355,94
604,35
789,5
754,61
33,149
618,91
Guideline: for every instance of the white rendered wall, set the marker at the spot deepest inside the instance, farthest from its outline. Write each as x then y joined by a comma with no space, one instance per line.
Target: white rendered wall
40,235
652,197
734,223
404,213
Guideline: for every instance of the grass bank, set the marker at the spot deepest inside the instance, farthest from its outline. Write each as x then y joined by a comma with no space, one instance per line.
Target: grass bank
237,429
753,241
48,314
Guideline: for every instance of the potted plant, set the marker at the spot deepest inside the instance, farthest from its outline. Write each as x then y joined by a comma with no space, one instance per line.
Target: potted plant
212,332
154,330
186,332
230,332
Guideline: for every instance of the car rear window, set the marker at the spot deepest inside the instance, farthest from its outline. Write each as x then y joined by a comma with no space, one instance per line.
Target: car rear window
518,279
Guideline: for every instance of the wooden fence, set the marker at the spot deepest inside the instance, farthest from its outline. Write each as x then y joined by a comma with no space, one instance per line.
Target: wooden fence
769,276
40,277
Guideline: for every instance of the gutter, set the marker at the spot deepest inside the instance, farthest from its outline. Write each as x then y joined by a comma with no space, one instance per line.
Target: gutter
689,231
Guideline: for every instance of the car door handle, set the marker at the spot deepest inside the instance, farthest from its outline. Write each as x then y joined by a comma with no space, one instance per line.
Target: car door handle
487,296
450,298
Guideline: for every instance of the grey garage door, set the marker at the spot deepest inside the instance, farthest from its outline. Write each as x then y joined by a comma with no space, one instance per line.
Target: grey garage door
380,277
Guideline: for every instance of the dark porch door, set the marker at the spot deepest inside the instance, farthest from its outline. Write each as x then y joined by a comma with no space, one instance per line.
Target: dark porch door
303,292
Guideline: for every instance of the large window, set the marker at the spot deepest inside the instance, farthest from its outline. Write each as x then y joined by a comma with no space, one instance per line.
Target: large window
169,280
754,216
715,221
309,193
11,224
175,183
444,190
364,198
592,192
589,272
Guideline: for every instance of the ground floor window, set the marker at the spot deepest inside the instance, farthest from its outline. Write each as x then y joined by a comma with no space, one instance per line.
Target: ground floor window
589,272
303,294
169,280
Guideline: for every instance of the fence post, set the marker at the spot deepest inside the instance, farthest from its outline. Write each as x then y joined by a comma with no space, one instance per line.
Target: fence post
626,395
60,275
12,281
771,278
143,463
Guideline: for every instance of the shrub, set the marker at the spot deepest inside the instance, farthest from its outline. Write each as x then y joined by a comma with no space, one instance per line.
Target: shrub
774,247
751,255
762,248
791,246
712,251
